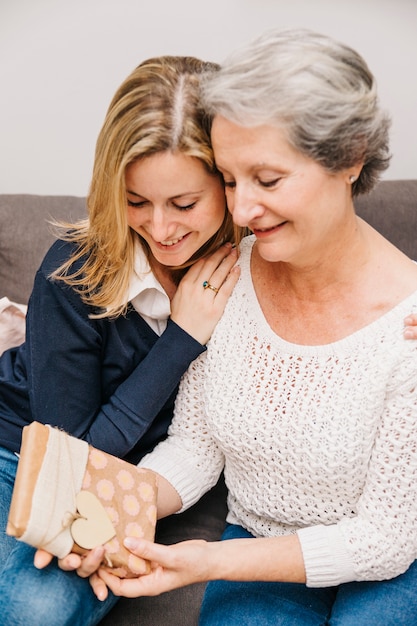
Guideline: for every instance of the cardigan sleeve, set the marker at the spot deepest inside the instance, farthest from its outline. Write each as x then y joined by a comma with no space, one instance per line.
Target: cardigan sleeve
68,353
129,412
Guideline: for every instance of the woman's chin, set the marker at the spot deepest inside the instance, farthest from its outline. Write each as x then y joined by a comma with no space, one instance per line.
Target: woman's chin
172,258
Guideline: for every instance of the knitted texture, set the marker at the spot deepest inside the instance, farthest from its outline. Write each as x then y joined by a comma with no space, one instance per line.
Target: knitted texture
319,440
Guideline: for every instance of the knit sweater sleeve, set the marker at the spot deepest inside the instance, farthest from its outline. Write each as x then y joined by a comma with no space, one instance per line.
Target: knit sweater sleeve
189,458
379,541
67,353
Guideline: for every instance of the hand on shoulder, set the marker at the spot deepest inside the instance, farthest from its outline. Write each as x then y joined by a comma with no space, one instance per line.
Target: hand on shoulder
410,326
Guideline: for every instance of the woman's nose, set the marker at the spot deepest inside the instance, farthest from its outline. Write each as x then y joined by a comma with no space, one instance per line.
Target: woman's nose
244,205
162,227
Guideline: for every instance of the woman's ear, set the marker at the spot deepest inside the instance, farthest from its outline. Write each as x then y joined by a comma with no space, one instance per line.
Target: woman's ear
353,173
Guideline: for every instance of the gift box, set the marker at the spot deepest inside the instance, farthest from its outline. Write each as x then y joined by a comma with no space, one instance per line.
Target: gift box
71,497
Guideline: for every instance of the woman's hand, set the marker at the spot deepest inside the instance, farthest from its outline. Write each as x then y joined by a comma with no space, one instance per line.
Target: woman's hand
187,562
84,565
410,327
197,308
171,567
42,558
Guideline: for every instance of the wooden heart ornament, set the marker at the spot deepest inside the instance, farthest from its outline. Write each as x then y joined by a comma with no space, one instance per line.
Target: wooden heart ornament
93,527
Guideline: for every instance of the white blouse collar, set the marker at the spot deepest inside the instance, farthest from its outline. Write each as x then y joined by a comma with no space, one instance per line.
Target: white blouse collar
146,293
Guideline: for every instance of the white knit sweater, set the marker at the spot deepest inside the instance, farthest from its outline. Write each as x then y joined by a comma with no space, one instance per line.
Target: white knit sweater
318,440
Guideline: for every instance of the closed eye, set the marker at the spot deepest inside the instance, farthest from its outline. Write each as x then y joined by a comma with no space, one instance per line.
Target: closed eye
268,183
136,205
186,207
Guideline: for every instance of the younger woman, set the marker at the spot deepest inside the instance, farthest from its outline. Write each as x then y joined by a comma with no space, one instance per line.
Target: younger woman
118,311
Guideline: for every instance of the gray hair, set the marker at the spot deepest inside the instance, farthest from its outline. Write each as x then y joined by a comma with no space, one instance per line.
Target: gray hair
320,91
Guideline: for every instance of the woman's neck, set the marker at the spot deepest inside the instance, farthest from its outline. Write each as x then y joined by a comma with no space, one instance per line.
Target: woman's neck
321,302
165,275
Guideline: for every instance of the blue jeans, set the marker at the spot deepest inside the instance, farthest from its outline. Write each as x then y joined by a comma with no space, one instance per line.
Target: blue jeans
383,603
32,597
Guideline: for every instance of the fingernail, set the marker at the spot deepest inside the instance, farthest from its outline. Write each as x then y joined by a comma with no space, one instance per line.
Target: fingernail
73,561
408,334
35,562
131,543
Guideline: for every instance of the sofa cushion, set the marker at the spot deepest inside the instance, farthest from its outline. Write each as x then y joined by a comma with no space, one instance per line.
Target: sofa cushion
25,236
391,208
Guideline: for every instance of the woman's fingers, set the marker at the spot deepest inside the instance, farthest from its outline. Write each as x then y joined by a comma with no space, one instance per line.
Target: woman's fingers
410,327
203,293
215,268
171,567
85,565
127,587
91,562
99,586
42,558
105,579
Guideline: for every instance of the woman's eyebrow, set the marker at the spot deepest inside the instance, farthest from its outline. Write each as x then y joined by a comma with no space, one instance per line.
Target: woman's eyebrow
186,193
133,193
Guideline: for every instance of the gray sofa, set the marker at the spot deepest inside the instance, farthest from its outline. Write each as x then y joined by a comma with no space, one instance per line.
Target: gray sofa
24,238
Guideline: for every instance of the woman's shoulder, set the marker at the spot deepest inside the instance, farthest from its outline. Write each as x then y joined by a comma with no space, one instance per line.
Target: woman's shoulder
247,242
245,247
58,254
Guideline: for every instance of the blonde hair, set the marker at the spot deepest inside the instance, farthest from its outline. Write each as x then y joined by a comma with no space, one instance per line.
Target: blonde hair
157,108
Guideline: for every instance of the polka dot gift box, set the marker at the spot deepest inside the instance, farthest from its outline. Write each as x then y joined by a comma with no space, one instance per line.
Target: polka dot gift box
71,497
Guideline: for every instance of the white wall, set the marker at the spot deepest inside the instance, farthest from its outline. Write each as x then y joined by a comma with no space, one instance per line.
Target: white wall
62,60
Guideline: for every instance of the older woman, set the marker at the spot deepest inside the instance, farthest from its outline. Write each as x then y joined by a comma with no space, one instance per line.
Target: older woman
307,396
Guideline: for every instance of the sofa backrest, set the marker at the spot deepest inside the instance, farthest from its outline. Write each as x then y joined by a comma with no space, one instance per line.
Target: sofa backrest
391,208
25,234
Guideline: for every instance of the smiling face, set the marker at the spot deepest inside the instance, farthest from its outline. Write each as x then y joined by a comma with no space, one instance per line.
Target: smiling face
174,204
291,203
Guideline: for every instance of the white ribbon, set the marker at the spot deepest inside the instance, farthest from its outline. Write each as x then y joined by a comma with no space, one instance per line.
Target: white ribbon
59,480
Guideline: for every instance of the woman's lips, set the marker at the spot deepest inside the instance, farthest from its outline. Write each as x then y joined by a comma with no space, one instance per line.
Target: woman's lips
265,232
171,244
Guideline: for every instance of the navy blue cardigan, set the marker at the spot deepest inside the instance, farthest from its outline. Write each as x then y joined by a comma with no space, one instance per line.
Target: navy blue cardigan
110,382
